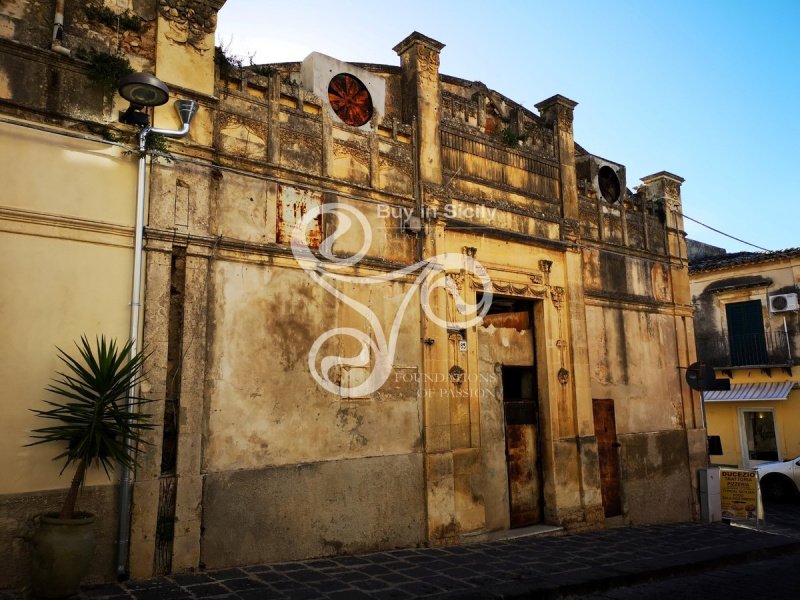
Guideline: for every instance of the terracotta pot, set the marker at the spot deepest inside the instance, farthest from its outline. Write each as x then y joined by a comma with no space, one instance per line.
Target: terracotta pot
61,554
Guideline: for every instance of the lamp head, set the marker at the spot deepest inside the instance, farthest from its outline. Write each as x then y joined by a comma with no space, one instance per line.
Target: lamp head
143,89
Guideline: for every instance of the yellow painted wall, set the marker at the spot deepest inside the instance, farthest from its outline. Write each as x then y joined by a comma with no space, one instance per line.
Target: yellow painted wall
58,175
66,223
723,420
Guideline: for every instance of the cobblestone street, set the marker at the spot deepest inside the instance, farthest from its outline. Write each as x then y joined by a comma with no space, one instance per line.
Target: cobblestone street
550,567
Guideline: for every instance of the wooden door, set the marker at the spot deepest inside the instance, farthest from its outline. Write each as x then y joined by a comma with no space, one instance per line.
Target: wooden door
521,413
605,429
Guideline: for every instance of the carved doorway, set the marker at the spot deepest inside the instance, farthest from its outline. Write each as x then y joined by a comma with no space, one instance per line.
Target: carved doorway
510,436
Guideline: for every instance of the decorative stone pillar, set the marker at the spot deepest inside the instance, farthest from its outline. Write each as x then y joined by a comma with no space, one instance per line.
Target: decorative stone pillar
572,433
558,112
146,488
665,188
419,60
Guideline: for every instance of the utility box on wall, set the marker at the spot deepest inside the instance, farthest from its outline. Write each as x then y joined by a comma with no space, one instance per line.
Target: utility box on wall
710,505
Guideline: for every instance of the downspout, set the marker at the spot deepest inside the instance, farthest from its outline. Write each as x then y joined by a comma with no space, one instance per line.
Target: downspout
186,109
58,30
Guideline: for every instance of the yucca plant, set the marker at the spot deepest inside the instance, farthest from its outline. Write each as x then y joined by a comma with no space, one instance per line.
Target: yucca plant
94,419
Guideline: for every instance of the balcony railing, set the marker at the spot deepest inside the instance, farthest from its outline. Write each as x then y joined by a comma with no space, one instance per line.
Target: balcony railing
769,348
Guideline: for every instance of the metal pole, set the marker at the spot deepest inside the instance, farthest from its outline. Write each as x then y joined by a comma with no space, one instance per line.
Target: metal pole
125,489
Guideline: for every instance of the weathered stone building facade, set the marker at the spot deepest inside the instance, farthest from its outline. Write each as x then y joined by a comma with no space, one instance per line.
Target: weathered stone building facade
386,307
748,330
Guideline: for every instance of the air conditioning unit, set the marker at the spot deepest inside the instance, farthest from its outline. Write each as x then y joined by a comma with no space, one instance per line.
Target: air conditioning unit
783,302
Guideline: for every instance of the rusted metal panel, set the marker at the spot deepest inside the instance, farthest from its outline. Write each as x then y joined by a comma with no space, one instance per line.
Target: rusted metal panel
605,429
293,204
521,413
518,320
524,482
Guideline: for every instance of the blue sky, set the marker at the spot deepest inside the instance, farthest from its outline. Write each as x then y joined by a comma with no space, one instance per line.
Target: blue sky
707,90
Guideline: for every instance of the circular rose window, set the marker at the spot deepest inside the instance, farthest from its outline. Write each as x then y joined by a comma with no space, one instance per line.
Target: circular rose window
350,99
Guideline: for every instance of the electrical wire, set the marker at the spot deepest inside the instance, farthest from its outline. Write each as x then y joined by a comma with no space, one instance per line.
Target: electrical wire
721,232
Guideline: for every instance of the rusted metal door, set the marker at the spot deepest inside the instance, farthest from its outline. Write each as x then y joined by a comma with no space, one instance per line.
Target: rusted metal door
605,429
522,448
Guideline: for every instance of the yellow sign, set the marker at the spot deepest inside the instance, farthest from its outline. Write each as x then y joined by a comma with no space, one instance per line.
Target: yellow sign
738,492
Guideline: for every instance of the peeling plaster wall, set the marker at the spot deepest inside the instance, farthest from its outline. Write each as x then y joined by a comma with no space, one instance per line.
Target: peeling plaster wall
265,414
261,393
626,305
314,509
654,472
629,371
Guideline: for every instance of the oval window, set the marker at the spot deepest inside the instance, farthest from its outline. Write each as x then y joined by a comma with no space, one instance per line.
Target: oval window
350,99
608,182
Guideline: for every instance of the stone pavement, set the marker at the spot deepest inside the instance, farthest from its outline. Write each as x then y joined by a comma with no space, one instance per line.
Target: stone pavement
542,567
775,578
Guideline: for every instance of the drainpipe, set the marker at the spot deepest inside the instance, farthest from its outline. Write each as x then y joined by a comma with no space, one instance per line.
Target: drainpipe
186,110
58,30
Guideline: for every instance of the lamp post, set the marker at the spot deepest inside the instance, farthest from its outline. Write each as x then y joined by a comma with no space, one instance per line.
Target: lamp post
142,90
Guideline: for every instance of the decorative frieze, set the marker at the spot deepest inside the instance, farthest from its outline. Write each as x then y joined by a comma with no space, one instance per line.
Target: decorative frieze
505,154
304,142
357,153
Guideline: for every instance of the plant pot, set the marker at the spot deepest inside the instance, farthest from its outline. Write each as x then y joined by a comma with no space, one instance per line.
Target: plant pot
61,554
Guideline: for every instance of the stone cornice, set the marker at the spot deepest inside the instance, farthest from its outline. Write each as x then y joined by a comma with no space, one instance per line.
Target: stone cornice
662,175
505,234
417,38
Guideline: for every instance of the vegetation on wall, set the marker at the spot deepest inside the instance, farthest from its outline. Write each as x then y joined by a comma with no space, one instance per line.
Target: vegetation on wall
512,139
264,70
106,16
230,64
157,145
110,134
227,63
105,69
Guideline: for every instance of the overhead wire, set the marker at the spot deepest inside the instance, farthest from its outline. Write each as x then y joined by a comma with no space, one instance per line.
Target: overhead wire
722,232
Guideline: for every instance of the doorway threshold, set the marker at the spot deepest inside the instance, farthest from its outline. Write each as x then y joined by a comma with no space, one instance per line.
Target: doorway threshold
531,530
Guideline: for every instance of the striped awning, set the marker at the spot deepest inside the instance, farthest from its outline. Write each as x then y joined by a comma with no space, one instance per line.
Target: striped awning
751,391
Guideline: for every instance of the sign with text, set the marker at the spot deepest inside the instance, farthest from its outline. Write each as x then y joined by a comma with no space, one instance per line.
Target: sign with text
738,491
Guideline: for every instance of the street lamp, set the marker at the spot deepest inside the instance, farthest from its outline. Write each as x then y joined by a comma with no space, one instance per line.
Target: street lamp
142,90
